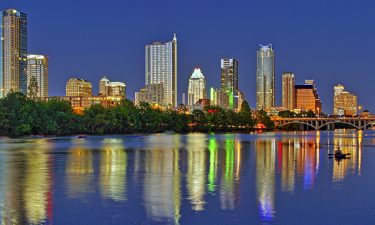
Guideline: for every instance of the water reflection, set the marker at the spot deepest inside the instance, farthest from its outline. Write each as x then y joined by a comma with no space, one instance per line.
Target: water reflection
26,186
79,172
162,191
265,178
348,144
196,171
163,176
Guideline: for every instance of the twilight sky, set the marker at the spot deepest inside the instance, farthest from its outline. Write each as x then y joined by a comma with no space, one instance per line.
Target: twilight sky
329,41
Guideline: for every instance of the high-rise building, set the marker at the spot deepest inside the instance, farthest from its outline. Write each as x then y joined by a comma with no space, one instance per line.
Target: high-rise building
197,87
344,103
37,69
307,98
288,95
265,85
229,75
76,87
104,86
108,88
161,68
13,50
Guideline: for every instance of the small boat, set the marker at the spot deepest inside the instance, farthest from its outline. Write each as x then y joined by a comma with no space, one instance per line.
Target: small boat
82,136
338,154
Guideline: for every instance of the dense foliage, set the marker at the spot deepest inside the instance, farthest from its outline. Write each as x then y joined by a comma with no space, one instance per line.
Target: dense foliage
21,116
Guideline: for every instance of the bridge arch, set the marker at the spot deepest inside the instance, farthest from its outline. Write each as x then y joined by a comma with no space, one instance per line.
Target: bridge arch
337,122
298,122
366,126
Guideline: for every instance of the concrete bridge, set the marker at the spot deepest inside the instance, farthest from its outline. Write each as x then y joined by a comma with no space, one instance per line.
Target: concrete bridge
359,123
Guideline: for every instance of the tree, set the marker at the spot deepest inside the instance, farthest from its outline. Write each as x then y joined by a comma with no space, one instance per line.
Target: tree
33,89
263,118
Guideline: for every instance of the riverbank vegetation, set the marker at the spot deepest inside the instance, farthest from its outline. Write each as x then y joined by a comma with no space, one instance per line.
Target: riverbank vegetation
20,116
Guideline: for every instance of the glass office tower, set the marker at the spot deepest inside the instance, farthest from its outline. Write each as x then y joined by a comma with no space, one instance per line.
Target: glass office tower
13,50
265,85
197,87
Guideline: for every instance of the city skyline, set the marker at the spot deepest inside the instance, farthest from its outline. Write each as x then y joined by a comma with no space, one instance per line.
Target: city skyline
309,63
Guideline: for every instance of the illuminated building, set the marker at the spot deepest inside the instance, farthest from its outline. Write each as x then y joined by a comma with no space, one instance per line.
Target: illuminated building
265,85
307,98
220,97
197,87
229,82
161,68
104,86
13,50
229,75
344,103
76,87
108,88
86,102
288,95
153,94
37,66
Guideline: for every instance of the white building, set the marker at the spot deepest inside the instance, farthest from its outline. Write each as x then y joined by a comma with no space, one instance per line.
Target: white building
197,87
161,68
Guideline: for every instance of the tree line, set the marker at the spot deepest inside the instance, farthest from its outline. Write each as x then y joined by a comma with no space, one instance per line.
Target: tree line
20,116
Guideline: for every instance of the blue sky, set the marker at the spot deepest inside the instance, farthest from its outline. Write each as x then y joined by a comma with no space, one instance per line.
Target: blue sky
329,41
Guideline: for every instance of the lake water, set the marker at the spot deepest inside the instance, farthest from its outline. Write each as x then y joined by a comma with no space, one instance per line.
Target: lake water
269,178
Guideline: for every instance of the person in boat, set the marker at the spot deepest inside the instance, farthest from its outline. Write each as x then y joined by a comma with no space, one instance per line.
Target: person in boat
338,151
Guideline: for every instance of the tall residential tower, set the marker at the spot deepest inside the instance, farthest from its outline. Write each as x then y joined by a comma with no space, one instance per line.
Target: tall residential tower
161,68
13,50
265,85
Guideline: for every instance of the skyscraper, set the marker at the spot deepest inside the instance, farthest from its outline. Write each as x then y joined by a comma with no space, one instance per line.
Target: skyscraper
37,68
229,75
13,50
265,85
161,68
197,87
344,103
288,95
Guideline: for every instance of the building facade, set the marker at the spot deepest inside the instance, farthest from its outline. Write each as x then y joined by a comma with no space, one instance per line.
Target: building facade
13,50
161,68
108,88
219,97
153,94
104,86
265,77
344,103
288,92
229,75
197,87
307,97
76,87
37,68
